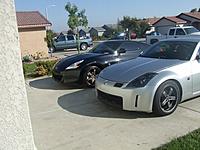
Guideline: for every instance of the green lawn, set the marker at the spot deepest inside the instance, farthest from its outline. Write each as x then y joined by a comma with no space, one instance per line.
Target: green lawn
190,141
29,69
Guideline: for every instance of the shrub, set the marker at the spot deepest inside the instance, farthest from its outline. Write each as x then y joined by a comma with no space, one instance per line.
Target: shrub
47,65
41,71
26,58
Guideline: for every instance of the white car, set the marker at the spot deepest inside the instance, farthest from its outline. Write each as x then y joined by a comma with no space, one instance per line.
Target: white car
157,81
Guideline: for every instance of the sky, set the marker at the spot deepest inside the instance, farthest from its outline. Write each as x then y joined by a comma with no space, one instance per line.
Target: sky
100,12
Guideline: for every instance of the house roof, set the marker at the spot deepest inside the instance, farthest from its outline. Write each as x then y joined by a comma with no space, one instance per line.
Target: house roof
99,29
151,21
112,26
195,15
31,19
172,19
86,30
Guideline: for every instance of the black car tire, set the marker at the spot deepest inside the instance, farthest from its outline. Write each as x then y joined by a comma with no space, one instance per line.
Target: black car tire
53,49
90,75
83,46
167,98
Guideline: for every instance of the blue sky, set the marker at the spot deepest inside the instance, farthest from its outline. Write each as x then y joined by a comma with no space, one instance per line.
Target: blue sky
101,12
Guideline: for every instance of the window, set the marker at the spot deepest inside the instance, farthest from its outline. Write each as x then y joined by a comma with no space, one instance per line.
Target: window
171,32
61,38
191,30
128,46
182,50
180,32
70,38
109,47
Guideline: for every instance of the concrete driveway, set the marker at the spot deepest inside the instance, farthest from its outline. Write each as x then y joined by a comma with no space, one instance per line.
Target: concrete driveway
67,117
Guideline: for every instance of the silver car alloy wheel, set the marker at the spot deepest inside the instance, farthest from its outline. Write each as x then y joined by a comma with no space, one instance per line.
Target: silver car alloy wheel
168,99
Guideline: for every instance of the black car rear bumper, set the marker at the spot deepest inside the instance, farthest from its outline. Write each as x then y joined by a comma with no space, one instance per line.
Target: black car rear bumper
67,76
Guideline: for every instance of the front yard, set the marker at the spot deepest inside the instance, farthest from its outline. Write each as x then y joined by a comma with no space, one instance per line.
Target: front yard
190,141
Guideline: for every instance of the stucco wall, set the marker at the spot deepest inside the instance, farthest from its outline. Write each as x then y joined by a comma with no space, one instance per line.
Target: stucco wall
15,125
163,26
32,40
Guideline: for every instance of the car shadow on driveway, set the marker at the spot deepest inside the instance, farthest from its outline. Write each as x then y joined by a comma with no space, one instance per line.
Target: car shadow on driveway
49,84
85,103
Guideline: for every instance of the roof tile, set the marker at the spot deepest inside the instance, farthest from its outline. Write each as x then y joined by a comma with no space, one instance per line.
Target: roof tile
31,19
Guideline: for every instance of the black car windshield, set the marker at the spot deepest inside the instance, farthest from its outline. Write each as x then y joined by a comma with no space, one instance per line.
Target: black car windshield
106,47
181,50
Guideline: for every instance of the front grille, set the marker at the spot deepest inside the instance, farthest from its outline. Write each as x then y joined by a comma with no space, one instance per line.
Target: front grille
109,99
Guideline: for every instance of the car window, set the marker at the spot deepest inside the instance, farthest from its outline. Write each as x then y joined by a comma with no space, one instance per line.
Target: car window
61,38
180,32
128,46
70,37
182,50
133,46
191,30
106,47
171,31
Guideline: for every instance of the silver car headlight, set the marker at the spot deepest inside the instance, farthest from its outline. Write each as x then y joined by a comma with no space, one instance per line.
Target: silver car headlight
74,65
142,80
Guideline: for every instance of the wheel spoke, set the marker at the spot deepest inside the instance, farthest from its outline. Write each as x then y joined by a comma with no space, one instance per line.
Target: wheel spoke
165,102
170,91
165,94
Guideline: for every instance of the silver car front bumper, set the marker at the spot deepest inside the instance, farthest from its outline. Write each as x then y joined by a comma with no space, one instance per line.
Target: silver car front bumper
133,99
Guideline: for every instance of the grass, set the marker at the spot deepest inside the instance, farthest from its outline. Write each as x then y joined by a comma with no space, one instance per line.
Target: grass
29,69
190,141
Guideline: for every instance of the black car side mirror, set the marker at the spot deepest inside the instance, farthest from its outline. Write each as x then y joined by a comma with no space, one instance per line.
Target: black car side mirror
198,57
121,50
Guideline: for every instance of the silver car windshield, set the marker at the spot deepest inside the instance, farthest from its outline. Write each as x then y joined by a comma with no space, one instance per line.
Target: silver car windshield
191,30
181,50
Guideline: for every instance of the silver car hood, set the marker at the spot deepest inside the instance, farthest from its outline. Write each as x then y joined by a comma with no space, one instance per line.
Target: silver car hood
129,70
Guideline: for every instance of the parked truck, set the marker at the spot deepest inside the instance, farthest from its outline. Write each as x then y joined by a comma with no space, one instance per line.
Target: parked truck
175,32
69,41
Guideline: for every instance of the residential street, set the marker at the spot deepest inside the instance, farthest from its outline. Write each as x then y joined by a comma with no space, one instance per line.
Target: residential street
71,118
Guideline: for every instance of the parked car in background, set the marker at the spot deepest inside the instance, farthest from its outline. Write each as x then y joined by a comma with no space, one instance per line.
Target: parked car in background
69,41
84,68
175,32
157,81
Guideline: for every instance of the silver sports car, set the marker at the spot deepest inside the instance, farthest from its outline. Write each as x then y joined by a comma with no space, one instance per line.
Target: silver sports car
157,81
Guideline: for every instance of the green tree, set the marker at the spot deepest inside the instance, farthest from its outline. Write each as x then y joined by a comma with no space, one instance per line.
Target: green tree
194,10
49,38
76,19
136,25
143,27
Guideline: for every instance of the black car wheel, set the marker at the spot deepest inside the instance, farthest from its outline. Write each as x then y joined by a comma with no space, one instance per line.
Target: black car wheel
84,46
90,75
166,98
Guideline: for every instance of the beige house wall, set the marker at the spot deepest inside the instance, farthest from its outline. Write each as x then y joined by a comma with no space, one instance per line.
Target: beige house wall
32,41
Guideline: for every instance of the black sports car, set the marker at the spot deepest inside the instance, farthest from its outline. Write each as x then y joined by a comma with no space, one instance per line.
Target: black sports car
85,67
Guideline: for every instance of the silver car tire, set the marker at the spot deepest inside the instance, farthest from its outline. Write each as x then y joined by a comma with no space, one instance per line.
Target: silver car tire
167,98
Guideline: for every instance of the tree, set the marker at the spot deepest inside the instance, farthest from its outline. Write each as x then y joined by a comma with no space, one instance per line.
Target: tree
49,39
76,19
134,25
194,10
